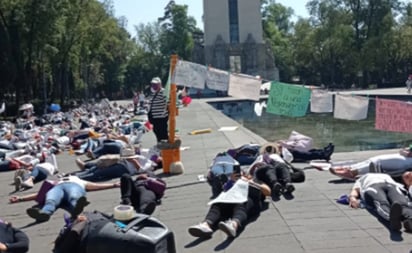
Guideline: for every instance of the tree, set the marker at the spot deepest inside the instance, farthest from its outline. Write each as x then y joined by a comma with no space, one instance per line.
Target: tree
277,30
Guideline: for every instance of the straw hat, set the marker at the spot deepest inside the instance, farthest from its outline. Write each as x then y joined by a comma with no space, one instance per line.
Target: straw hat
124,213
269,148
128,153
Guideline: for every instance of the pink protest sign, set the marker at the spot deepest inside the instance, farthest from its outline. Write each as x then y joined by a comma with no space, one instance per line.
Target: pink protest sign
393,115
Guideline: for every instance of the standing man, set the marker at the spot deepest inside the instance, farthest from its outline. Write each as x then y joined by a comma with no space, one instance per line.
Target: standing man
158,113
135,102
409,83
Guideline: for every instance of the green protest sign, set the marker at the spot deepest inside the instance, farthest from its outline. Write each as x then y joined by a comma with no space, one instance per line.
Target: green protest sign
288,99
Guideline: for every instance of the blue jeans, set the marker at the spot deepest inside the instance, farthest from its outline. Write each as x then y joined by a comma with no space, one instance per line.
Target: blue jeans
64,195
101,174
38,174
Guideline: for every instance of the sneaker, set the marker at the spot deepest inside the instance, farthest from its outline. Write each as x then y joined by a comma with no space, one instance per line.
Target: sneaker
395,216
407,224
28,184
126,202
328,151
150,207
200,231
17,183
289,188
89,154
80,204
276,189
228,227
38,214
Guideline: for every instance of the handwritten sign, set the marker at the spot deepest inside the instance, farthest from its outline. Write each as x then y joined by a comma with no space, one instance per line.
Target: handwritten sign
287,99
393,115
190,74
351,107
321,101
217,79
244,86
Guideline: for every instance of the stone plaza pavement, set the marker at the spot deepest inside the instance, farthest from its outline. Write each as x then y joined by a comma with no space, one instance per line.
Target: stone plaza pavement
311,221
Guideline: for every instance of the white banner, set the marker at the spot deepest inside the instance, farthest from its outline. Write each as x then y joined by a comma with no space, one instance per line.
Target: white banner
351,107
321,101
190,74
244,86
217,79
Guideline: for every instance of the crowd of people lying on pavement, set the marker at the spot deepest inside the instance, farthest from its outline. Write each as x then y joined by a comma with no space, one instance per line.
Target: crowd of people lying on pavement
240,178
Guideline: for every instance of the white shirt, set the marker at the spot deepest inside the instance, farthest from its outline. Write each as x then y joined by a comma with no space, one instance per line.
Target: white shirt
261,159
367,180
73,179
50,168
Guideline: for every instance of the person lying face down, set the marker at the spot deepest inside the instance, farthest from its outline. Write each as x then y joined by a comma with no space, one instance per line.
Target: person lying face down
388,198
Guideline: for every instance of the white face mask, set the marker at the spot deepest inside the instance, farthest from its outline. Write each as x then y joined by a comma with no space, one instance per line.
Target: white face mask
152,90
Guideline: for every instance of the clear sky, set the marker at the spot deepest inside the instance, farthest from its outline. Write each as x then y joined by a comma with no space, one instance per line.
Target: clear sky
138,12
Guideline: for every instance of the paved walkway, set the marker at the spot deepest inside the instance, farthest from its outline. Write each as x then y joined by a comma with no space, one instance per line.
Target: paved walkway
310,222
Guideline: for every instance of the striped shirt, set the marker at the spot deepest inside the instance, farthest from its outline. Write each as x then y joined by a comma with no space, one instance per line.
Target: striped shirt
158,105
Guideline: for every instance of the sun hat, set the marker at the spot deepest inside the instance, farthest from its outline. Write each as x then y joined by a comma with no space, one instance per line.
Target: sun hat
156,80
124,213
269,148
128,153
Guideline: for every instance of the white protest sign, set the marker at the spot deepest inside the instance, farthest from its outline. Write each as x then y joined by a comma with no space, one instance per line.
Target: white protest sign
190,74
244,86
237,194
217,79
321,101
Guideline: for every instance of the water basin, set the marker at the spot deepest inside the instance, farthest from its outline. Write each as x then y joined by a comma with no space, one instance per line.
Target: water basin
346,135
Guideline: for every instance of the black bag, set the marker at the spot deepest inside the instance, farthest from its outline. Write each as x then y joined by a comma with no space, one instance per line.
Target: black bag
143,234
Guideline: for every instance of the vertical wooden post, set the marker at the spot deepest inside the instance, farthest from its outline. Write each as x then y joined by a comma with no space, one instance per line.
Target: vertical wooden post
171,155
172,102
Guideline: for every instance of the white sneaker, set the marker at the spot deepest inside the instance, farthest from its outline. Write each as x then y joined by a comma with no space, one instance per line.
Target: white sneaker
27,184
200,231
17,183
228,227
